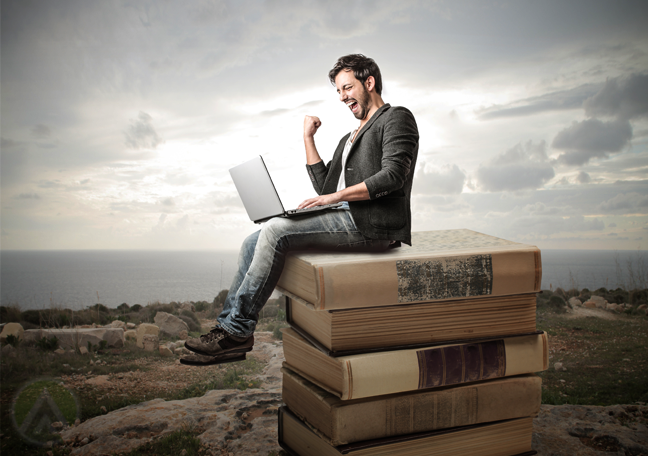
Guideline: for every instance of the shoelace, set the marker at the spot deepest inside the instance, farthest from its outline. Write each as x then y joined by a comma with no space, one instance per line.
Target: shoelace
215,334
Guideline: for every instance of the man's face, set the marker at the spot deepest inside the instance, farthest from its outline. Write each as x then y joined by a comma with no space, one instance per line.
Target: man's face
353,93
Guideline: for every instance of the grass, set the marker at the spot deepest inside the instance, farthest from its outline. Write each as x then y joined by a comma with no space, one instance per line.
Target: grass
171,445
604,360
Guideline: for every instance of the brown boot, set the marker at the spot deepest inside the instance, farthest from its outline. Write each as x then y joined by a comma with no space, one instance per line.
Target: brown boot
218,342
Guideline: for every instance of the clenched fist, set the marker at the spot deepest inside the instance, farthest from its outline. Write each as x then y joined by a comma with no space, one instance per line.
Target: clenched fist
311,124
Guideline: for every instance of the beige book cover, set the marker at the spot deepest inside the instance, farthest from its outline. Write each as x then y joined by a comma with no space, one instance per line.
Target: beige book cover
344,331
388,372
341,422
440,265
502,438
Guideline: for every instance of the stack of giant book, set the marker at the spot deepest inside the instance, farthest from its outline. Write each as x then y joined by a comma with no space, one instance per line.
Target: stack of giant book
423,350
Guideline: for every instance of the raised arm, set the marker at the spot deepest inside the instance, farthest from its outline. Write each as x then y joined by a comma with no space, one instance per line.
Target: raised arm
311,124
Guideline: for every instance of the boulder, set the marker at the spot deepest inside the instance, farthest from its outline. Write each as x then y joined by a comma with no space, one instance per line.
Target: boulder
170,325
598,301
150,342
14,329
83,350
183,334
589,304
117,324
9,350
574,302
188,306
131,326
144,329
165,351
79,337
131,334
643,307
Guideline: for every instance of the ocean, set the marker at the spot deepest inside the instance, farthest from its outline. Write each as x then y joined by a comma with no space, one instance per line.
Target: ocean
78,279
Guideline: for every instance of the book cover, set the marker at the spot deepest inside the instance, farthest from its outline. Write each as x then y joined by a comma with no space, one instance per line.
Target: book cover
440,265
375,374
341,422
502,438
347,331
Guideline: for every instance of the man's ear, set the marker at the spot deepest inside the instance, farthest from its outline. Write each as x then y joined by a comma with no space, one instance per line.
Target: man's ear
370,83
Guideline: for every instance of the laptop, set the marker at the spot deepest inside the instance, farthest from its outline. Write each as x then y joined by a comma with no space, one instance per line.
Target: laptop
259,195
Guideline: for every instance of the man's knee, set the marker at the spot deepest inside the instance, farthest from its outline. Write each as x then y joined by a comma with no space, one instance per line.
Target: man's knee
274,229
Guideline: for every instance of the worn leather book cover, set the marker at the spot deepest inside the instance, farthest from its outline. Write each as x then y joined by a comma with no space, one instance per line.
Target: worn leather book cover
342,422
501,438
410,369
440,265
346,331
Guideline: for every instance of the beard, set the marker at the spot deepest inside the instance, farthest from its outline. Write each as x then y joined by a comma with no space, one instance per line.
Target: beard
363,105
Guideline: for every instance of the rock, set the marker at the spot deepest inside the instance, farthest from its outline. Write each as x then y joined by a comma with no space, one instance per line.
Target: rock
60,351
83,350
181,351
57,425
170,325
146,328
558,366
643,307
598,301
14,329
117,324
79,337
183,334
188,306
589,305
150,342
587,431
229,421
131,325
574,302
9,350
99,380
131,334
166,352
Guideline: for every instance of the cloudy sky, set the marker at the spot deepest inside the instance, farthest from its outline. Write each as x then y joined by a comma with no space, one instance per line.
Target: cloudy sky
120,119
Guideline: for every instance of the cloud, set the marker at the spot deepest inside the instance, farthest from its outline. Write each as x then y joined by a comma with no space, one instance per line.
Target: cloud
583,178
41,131
592,138
443,180
555,101
625,203
34,196
141,134
625,98
525,166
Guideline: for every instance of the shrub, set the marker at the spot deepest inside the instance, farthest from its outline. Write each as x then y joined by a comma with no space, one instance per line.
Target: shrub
136,308
219,300
46,344
557,304
123,307
9,314
193,326
99,308
31,316
12,340
201,306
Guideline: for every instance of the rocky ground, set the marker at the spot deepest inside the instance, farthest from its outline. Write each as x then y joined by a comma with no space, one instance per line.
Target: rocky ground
233,422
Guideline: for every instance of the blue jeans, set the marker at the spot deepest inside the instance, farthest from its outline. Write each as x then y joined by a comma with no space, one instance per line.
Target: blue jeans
263,255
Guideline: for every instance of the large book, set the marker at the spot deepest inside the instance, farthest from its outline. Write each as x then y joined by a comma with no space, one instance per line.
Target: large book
502,438
387,372
345,331
342,422
440,265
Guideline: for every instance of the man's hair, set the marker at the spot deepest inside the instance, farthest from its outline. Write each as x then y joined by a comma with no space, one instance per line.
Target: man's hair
362,68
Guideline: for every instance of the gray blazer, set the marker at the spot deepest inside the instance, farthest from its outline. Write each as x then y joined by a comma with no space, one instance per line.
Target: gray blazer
383,156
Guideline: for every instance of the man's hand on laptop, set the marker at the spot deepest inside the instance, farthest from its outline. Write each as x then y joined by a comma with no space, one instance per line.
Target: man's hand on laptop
321,200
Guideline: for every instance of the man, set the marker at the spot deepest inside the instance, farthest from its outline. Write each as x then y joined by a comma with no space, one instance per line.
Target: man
371,174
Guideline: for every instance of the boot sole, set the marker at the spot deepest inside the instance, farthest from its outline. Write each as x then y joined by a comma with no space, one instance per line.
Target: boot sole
236,350
227,358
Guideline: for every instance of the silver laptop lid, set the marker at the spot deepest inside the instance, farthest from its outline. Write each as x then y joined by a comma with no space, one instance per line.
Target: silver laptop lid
255,187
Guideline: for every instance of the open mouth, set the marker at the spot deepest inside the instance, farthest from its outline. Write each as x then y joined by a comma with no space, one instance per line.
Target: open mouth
353,106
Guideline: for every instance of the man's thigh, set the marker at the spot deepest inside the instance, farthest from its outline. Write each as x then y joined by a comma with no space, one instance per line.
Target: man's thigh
327,230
